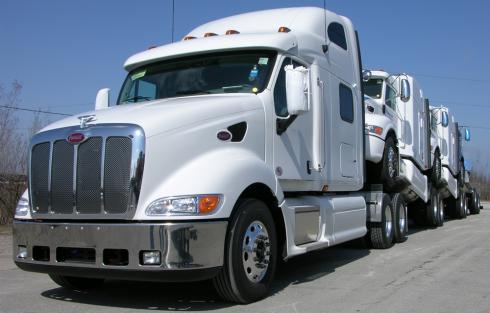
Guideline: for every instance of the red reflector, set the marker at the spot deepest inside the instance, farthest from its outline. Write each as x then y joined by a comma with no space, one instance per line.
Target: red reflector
232,32
210,34
75,138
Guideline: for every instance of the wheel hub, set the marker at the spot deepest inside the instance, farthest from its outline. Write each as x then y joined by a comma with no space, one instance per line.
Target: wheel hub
256,251
388,221
391,162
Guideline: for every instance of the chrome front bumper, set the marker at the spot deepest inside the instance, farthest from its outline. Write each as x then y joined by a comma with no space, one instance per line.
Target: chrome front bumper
187,247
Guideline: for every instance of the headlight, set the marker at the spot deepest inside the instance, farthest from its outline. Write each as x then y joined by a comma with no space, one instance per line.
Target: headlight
22,208
188,205
374,129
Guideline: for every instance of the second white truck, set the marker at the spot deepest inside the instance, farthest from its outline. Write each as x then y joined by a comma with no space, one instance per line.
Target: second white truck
402,151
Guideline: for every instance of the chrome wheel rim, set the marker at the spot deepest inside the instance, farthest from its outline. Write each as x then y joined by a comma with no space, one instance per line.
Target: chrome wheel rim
402,220
391,162
441,211
435,205
388,221
256,251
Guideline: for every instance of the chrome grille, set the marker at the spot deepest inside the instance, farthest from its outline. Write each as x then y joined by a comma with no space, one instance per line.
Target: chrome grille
97,178
62,177
116,174
39,177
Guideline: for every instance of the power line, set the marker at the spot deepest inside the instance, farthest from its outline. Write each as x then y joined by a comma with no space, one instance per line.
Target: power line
34,111
476,80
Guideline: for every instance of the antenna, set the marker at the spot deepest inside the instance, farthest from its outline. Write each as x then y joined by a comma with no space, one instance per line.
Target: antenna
173,19
325,46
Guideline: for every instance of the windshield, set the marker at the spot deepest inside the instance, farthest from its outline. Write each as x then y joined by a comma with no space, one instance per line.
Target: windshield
374,88
233,72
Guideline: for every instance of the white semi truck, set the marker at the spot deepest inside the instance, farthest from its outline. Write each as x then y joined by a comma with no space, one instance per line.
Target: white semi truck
402,151
452,160
240,145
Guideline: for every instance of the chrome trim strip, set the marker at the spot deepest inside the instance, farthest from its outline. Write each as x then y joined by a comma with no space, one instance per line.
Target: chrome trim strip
138,141
50,166
102,166
75,162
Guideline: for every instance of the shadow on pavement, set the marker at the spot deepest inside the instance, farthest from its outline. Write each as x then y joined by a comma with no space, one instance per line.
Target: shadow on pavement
200,296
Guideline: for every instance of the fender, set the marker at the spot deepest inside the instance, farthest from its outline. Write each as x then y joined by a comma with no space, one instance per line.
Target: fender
228,169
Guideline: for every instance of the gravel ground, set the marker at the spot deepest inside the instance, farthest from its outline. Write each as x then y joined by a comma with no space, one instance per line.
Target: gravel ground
436,270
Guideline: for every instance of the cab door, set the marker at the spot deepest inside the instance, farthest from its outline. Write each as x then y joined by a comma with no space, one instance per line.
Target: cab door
293,140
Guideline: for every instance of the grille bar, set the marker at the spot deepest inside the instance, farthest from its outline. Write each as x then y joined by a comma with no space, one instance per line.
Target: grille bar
97,178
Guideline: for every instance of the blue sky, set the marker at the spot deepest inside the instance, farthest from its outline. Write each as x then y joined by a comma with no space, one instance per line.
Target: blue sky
64,51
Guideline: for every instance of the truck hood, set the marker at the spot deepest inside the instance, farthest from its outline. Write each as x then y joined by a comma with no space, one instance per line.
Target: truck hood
163,115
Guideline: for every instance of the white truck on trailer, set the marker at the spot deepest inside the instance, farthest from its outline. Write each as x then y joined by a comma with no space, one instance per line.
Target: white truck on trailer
452,178
240,145
402,152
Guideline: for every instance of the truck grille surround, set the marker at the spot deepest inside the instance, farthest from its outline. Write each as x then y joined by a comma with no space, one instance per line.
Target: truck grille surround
99,177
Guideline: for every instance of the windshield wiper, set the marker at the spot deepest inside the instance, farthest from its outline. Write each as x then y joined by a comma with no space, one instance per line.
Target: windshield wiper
135,98
191,92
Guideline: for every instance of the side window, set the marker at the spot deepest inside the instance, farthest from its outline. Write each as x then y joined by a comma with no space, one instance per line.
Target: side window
280,103
346,103
390,97
336,35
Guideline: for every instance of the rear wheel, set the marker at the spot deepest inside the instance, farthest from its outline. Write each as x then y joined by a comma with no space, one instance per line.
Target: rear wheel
381,234
400,222
433,208
250,254
460,209
440,220
76,283
475,207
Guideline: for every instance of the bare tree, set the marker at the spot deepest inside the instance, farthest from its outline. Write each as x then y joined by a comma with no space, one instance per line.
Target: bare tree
13,152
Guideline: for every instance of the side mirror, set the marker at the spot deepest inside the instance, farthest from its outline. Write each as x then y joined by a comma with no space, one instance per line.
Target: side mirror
366,75
297,90
405,90
444,119
102,99
467,134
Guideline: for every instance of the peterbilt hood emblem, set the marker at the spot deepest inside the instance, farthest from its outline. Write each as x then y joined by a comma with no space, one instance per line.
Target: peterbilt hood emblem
86,119
76,138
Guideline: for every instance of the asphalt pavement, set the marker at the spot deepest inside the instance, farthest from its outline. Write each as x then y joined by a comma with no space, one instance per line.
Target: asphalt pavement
436,270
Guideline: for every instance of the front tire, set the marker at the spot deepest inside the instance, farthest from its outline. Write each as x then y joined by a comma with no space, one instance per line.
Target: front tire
250,254
436,169
390,166
76,283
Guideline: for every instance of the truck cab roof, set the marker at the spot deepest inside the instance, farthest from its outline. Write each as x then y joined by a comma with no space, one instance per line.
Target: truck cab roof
303,33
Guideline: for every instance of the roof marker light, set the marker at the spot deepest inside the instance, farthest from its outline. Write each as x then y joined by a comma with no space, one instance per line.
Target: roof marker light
283,29
210,34
232,32
188,38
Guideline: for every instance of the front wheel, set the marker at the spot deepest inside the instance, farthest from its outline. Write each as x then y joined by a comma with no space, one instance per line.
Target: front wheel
389,168
436,169
250,254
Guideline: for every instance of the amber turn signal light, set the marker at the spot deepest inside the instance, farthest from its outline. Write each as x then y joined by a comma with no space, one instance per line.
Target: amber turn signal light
208,204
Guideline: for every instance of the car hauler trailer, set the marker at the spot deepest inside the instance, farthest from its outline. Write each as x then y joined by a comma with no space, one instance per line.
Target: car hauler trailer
239,145
402,150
